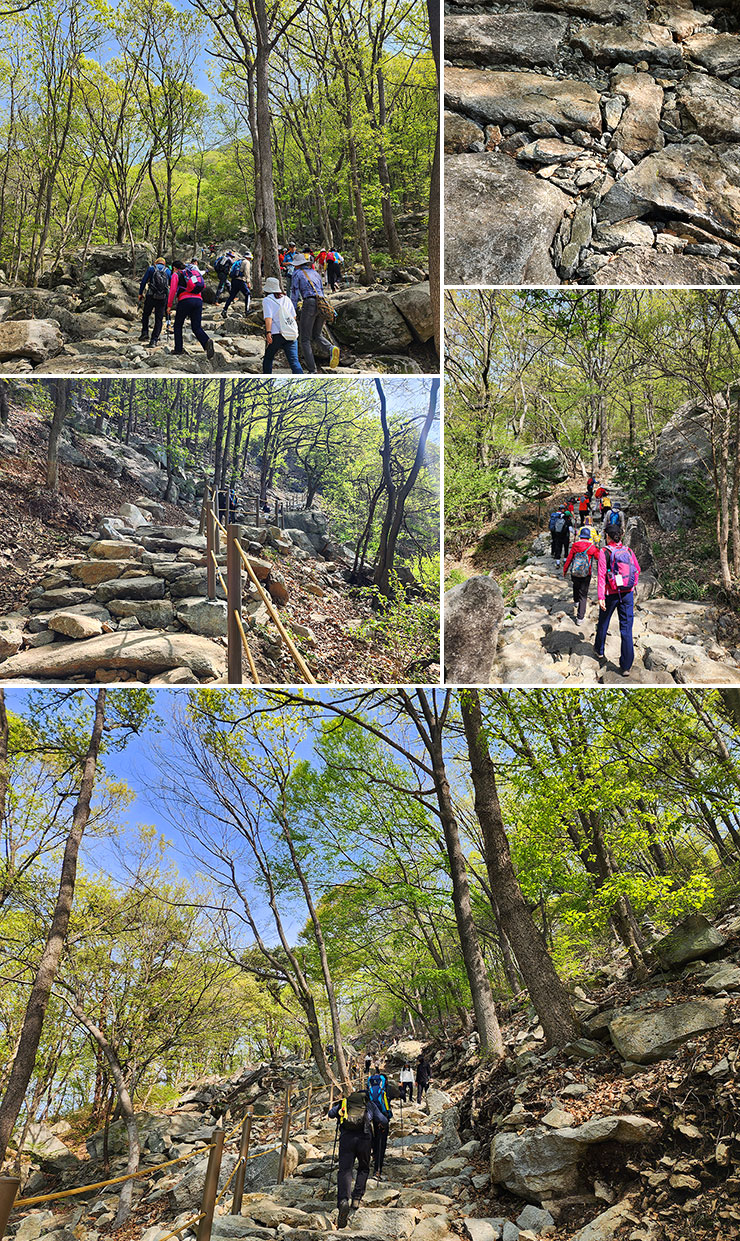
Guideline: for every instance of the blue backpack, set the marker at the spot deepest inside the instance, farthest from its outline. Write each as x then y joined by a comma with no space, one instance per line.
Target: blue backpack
376,1089
613,516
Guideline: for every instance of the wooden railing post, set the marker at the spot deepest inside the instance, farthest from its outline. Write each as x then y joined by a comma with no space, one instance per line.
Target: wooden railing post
308,1107
210,552
210,1188
236,1205
283,1137
282,516
233,604
8,1191
216,527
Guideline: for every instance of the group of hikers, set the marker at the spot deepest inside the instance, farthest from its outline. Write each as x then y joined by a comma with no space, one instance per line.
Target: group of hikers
363,1121
295,316
617,567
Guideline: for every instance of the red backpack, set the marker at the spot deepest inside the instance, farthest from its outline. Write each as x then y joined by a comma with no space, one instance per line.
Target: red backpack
621,573
190,282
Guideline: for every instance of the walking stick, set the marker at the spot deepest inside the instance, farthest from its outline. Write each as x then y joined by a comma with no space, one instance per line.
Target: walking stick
331,1165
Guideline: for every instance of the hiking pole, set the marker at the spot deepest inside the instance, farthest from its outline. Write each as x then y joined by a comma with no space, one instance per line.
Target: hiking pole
331,1165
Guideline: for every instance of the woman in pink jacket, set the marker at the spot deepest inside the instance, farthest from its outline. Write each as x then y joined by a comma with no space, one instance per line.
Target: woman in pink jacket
186,295
618,575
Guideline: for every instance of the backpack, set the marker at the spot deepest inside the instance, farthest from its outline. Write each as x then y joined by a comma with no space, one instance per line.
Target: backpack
352,1112
619,564
222,264
288,321
159,285
551,524
243,272
376,1089
559,524
612,516
325,309
190,282
580,565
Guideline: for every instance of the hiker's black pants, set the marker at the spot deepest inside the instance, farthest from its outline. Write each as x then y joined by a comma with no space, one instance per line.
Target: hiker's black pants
354,1145
238,286
332,274
158,307
560,543
407,1092
421,1089
189,308
580,594
380,1141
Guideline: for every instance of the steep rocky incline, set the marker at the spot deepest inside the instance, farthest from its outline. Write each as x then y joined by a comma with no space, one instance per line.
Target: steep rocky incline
81,322
592,142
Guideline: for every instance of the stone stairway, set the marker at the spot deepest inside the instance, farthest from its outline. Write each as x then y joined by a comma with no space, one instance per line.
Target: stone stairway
541,642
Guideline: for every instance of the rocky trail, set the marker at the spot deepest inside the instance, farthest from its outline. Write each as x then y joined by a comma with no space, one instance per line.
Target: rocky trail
534,638
86,318
629,1132
115,588
592,142
540,640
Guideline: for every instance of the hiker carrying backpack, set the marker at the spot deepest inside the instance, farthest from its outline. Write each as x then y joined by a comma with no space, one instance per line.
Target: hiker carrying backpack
580,560
186,292
356,1115
240,277
153,290
377,1091
619,573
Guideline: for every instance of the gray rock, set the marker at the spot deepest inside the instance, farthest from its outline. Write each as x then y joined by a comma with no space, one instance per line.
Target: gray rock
203,616
130,588
461,134
693,939
683,457
638,132
525,98
628,44
484,1229
372,323
606,1226
150,613
474,611
505,222
34,339
640,266
709,108
504,38
143,649
536,1220
636,536
719,53
646,1037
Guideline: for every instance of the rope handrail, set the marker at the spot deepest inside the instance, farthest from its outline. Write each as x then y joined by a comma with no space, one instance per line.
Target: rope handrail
295,653
250,658
219,574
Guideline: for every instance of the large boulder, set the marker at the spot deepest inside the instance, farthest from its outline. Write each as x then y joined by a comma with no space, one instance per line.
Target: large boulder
501,222
646,1037
524,98
683,457
372,323
34,339
117,259
474,611
691,940
636,536
415,304
141,649
406,1050
503,38
203,616
543,1164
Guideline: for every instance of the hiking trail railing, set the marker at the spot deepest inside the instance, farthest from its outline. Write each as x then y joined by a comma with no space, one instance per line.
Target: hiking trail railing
231,585
211,1196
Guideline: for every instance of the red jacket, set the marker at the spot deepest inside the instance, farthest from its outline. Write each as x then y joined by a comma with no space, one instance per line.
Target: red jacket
581,545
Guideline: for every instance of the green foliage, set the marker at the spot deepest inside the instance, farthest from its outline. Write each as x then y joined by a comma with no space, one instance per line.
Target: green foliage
404,624
633,471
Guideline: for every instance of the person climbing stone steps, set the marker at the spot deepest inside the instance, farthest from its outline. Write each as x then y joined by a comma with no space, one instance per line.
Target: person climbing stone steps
356,1114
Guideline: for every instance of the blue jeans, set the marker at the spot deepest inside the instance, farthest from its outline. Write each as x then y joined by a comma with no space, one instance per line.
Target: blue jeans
189,308
289,348
624,605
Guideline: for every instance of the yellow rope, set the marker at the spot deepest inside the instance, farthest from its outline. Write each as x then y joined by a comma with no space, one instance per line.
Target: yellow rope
250,659
117,1180
295,653
188,1224
219,574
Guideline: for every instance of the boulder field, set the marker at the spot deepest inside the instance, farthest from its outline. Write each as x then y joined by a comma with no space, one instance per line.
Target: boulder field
85,318
592,142
625,1132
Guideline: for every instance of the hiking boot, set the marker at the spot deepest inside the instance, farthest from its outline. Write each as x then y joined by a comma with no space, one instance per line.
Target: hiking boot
356,1205
334,359
143,337
344,1209
210,349
223,314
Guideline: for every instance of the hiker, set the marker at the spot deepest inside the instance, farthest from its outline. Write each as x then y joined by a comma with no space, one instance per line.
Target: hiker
571,508
554,517
291,254
584,505
605,504
233,505
356,1115
240,275
155,283
279,313
379,1092
590,484
561,528
334,262
222,501
580,561
406,1079
222,267
423,1077
186,292
307,288
368,1062
618,575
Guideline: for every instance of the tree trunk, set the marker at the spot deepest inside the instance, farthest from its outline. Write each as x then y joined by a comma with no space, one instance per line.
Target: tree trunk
60,388
33,1021
546,991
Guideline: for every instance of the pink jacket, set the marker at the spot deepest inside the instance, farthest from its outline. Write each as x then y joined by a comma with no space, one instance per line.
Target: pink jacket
172,298
615,547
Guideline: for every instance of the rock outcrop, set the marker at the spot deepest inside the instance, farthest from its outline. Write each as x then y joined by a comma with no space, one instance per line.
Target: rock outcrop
566,118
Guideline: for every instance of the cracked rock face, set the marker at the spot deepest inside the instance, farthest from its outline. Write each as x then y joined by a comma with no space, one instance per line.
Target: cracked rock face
621,115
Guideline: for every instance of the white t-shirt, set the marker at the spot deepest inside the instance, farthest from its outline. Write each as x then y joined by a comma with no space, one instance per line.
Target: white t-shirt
407,1075
282,313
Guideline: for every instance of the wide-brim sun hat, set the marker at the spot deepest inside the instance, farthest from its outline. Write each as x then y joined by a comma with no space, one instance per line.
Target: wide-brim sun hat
272,285
301,262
